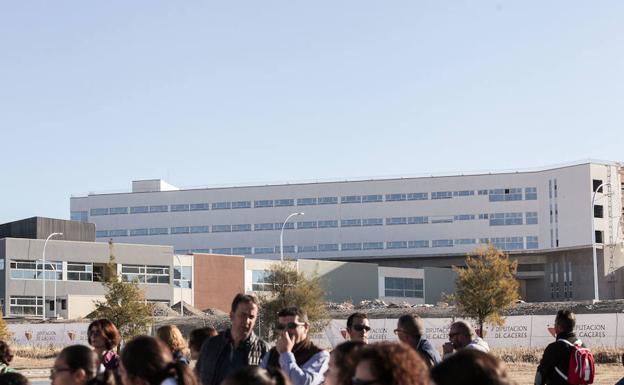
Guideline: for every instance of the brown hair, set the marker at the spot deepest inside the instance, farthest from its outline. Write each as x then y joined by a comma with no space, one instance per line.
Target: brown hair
566,320
172,337
469,366
243,298
353,316
82,357
394,363
6,355
294,311
412,324
254,375
345,359
198,336
109,331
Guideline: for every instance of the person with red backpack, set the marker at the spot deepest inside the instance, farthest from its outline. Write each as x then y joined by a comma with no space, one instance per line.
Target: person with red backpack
567,360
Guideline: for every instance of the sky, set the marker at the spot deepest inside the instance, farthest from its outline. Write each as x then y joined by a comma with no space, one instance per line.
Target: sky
95,94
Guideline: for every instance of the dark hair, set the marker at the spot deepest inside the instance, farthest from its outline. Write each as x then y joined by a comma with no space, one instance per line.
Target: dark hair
198,336
255,375
293,311
6,355
566,320
109,330
394,363
412,324
243,298
13,378
354,316
155,364
468,367
82,357
464,328
345,359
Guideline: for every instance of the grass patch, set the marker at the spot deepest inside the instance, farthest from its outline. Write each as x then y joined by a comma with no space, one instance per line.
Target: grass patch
602,355
36,352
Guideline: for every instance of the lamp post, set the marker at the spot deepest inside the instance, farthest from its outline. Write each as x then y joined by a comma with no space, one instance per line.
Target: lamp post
595,259
43,316
282,234
181,290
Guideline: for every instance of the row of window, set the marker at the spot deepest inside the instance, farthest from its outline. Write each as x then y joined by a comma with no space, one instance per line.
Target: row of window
496,219
495,195
505,243
23,305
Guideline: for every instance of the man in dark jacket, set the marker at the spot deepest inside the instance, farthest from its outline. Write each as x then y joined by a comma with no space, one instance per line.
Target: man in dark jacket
233,348
557,354
410,330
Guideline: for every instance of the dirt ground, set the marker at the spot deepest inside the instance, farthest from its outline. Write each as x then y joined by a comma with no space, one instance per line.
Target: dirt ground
606,374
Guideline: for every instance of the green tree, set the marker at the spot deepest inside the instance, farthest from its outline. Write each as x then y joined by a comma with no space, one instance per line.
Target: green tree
124,303
5,334
486,286
287,287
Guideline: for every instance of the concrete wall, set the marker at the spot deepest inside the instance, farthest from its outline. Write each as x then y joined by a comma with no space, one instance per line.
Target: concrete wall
79,306
217,279
438,281
344,281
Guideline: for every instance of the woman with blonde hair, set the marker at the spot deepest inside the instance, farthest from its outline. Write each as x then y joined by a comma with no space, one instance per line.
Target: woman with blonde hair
173,338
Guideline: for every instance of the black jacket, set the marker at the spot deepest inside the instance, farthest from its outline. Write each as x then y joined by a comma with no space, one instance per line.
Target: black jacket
557,354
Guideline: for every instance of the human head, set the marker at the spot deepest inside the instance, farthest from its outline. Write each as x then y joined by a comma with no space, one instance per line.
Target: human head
342,362
565,321
468,367
103,332
410,328
390,363
197,338
75,365
6,355
460,334
358,327
13,378
243,315
294,321
172,337
255,375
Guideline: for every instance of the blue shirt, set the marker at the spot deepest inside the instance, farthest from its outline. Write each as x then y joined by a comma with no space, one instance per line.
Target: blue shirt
312,372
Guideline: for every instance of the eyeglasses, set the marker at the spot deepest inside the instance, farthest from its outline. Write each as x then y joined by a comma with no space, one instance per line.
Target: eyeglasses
360,327
357,381
290,325
94,332
55,371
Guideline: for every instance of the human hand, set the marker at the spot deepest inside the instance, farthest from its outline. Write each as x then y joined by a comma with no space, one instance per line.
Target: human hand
447,348
284,343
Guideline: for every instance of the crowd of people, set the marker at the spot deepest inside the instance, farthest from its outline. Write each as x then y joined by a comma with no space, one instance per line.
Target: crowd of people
237,356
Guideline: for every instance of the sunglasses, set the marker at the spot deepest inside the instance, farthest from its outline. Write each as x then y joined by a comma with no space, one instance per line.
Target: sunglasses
357,381
290,325
360,327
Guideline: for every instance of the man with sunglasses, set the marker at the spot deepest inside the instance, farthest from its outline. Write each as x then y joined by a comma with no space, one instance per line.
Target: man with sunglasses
358,327
303,362
410,330
463,336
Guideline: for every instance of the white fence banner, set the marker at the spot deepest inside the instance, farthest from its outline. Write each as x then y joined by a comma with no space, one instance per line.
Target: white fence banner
44,335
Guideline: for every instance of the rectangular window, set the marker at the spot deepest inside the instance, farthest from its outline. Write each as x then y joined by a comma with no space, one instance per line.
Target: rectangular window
417,244
205,251
373,245
200,229
306,201
423,196
483,216
483,192
497,219
327,200
441,219
307,249
284,202
158,231
307,225
595,184
396,245
463,193
223,250
287,248
118,210
159,209
261,280
417,220
221,228
403,287
181,251
138,232
598,235
180,207
118,233
327,224
396,221
101,233
505,194
200,206
241,250
442,243
512,219
77,271
531,217
328,247
530,193
241,227
23,269
80,216
372,222
139,209
514,243
464,217
372,198
287,226
263,226
350,222
531,242
95,212
263,203
395,197
26,305
441,195
241,205
465,241
145,273
180,230
598,211
351,199
264,250
183,277
351,246
221,205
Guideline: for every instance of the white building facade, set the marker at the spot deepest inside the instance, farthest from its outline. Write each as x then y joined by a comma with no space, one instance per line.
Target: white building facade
542,217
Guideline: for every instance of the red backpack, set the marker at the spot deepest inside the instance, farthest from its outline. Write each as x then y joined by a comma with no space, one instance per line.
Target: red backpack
581,369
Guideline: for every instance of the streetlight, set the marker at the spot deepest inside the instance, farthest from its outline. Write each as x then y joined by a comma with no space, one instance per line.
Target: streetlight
181,290
44,275
282,234
595,260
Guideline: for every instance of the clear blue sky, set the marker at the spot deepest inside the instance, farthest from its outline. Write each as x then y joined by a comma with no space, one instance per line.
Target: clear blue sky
94,94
